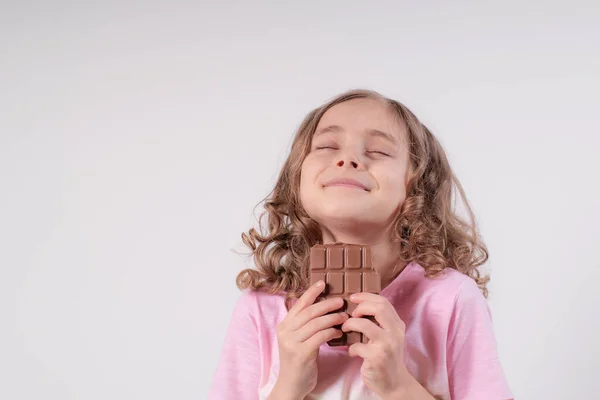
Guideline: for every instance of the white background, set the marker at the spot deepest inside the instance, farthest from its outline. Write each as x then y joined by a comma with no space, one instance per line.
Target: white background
136,138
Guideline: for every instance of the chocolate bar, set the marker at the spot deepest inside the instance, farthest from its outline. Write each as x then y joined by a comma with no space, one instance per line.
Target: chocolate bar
346,269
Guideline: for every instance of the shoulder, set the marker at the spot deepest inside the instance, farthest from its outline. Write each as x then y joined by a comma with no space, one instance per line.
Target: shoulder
257,304
450,284
458,297
439,295
450,303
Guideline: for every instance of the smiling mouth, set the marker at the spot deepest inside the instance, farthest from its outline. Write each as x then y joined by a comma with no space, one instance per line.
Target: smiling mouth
347,185
347,182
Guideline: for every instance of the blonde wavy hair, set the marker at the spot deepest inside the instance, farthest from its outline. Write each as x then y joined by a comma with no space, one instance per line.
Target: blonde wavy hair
427,228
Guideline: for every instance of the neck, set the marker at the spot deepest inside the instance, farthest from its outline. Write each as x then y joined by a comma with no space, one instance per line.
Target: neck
385,253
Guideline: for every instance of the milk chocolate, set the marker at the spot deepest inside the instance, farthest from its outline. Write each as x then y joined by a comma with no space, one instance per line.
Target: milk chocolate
346,269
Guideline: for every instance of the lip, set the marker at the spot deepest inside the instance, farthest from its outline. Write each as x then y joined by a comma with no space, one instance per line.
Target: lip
347,182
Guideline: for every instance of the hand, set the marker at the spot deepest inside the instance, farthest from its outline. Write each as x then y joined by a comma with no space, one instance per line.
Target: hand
383,369
305,328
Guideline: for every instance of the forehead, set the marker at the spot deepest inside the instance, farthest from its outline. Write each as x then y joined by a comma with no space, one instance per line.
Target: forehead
361,115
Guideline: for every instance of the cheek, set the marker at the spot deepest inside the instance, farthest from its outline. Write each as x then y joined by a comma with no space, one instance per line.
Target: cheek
304,174
309,171
307,177
309,183
394,185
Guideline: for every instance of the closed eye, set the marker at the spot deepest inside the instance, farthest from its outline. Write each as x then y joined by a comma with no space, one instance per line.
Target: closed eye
378,152
326,147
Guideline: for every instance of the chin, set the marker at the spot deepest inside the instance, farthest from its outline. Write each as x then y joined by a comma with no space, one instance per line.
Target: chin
346,214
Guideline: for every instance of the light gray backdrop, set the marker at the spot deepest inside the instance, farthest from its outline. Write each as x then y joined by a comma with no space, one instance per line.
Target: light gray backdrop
136,137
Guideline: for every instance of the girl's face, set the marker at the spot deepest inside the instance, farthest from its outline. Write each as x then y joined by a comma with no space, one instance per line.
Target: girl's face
356,172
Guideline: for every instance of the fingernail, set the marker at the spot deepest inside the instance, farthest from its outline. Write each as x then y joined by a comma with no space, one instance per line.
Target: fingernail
320,284
352,297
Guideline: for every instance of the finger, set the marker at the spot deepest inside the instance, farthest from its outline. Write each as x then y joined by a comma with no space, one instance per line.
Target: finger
385,314
365,296
364,326
323,336
319,324
308,297
360,349
315,310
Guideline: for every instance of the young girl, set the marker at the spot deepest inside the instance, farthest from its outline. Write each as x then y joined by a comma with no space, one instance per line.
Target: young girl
364,170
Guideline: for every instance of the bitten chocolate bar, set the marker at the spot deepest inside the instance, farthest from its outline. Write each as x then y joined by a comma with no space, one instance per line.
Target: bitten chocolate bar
346,269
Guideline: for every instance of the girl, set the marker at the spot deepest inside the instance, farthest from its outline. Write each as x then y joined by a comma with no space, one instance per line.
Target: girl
364,170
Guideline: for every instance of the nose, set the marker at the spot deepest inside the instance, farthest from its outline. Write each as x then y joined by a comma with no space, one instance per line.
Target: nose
350,162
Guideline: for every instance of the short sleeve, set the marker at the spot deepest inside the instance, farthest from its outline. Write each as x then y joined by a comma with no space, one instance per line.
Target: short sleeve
474,370
238,371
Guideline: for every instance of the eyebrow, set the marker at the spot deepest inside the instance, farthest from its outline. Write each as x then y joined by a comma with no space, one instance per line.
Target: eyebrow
370,132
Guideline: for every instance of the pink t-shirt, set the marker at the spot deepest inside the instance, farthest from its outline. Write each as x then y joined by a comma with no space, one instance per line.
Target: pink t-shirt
450,347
